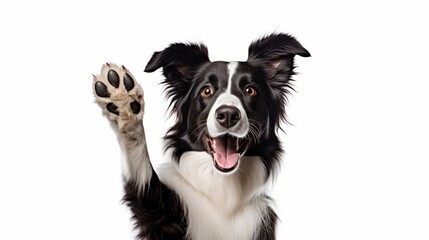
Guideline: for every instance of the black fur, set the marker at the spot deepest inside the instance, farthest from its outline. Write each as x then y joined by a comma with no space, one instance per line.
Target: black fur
268,230
157,212
180,63
187,69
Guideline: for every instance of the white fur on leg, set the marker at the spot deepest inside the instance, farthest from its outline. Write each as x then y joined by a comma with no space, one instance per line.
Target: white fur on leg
136,164
127,125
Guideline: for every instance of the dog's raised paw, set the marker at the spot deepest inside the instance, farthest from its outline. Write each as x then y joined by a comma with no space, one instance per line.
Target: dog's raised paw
118,94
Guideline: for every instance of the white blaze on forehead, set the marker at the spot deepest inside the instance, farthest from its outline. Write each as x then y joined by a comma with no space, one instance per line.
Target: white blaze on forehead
232,67
228,99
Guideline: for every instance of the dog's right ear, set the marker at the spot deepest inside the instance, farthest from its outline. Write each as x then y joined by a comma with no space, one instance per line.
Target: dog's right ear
276,53
179,60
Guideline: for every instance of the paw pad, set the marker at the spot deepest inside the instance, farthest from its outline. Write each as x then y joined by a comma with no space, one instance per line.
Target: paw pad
112,108
128,82
101,90
117,93
113,78
135,107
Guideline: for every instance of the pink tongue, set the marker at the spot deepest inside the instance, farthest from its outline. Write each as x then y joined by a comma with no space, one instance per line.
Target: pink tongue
226,151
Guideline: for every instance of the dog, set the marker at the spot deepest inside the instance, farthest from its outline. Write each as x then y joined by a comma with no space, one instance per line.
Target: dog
223,145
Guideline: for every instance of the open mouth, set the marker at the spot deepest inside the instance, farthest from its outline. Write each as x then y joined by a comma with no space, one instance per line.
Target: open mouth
226,151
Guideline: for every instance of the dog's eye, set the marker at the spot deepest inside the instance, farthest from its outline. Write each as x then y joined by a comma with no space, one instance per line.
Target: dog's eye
206,92
250,91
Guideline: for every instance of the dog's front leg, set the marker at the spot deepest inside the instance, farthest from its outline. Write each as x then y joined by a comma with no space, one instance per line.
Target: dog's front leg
121,100
156,209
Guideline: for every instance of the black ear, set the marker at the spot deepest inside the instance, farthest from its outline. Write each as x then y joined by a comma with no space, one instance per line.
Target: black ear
275,53
179,60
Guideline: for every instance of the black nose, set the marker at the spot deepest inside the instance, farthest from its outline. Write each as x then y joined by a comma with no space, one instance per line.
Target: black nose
227,116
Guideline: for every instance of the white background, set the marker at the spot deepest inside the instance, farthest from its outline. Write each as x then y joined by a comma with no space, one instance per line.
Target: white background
356,163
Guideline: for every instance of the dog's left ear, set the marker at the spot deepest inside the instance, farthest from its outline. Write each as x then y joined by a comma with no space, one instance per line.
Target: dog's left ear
276,53
179,60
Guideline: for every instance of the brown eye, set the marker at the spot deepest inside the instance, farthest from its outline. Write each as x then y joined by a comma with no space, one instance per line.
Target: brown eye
250,91
206,92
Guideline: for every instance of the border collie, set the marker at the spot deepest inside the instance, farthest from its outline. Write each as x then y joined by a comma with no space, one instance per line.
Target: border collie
224,144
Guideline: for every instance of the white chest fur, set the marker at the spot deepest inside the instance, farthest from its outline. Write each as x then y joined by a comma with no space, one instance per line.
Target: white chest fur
219,206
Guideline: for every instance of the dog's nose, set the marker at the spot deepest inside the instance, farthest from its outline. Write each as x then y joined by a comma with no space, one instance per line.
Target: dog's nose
227,116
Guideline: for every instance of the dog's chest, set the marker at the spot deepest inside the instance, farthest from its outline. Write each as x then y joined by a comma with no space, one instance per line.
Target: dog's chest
217,206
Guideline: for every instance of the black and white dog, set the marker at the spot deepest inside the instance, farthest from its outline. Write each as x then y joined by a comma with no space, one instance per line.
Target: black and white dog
224,143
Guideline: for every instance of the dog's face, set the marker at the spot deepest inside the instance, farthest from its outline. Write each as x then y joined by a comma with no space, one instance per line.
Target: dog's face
228,108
